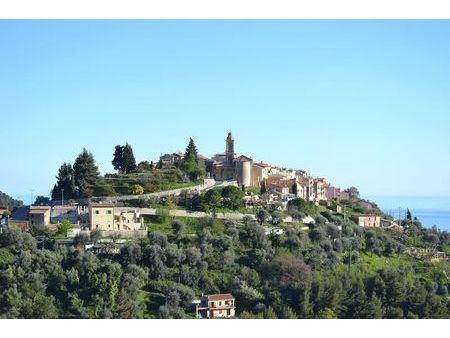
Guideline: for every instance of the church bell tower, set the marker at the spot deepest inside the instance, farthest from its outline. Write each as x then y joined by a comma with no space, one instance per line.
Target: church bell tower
230,148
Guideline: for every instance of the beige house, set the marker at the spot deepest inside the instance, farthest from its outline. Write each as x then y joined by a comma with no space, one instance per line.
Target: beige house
260,173
320,193
369,221
128,220
217,306
28,217
39,217
101,217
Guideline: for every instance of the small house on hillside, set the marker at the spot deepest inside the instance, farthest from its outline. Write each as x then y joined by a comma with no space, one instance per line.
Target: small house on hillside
217,306
368,221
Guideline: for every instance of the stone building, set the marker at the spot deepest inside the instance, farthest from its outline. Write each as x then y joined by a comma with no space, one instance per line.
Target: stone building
126,219
226,166
244,166
320,185
168,160
260,173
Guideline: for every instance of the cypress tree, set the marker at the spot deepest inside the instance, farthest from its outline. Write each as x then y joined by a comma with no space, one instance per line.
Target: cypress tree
117,161
129,162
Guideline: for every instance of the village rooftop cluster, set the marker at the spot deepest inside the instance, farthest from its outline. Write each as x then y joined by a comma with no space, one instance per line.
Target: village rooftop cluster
278,187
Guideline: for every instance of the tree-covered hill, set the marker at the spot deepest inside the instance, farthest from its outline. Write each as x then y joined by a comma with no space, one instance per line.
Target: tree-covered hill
322,272
7,202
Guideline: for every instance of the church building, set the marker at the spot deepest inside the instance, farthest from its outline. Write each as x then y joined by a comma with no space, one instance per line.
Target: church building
227,166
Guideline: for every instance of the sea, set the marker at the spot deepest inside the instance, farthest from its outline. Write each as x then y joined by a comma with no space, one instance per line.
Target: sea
429,210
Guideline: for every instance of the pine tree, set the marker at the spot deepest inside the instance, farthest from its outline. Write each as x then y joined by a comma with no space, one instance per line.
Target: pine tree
85,172
191,150
66,181
190,163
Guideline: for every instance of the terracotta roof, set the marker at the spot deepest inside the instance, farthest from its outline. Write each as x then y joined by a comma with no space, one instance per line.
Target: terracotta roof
243,158
263,165
216,298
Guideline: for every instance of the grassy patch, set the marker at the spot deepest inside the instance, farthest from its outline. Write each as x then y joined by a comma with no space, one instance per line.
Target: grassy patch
371,262
191,226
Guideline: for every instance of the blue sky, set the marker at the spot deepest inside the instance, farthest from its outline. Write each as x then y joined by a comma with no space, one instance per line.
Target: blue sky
363,103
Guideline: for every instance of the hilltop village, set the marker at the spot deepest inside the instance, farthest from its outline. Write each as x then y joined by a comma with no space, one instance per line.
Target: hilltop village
221,237
257,186
283,183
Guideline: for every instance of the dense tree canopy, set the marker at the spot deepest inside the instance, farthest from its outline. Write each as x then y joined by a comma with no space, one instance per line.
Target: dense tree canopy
7,202
124,161
332,269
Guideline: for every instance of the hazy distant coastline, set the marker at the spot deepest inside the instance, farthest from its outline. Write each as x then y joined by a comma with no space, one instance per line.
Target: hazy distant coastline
429,210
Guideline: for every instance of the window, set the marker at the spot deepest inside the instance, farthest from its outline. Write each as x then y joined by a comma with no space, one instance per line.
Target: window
97,212
109,212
